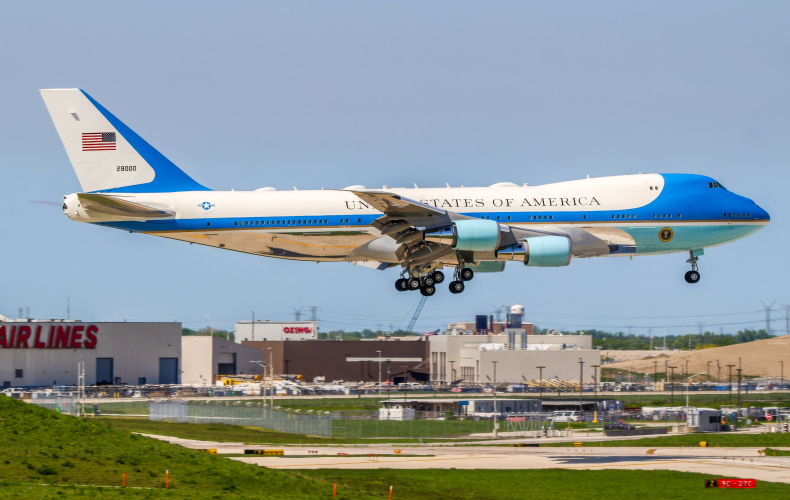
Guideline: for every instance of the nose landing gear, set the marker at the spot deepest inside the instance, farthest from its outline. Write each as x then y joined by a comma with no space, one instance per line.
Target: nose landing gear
693,275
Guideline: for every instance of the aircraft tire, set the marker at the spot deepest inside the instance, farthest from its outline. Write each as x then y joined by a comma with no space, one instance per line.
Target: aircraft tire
402,285
457,286
413,283
428,280
467,274
692,277
438,277
428,290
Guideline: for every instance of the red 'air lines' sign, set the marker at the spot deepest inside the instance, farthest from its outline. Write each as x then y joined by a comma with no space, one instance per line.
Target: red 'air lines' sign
25,336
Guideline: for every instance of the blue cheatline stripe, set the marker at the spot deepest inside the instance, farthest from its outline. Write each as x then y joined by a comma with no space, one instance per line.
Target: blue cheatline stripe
358,222
168,178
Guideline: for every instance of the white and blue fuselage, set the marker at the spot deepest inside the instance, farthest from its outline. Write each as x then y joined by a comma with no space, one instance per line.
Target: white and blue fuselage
129,185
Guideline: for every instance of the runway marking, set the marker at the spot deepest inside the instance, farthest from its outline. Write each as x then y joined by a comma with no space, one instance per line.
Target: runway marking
374,463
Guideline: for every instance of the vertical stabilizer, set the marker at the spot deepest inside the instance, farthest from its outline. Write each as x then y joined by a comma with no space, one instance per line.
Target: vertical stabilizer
106,154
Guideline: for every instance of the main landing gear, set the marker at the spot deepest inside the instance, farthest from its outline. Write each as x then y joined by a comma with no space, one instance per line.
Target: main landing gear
426,283
464,274
693,275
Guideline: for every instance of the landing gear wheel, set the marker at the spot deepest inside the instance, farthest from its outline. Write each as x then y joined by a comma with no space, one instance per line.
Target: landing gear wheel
692,276
457,286
413,283
466,274
428,290
428,280
402,285
438,277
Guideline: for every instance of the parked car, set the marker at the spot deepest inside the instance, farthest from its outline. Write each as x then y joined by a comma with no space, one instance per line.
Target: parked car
566,416
619,426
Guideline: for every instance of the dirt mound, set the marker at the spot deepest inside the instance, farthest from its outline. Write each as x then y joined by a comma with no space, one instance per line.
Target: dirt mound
760,358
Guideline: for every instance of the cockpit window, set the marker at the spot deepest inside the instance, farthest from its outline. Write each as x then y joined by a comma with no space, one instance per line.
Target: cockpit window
715,185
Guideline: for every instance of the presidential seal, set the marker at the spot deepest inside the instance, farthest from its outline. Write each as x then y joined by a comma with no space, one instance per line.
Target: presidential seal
665,234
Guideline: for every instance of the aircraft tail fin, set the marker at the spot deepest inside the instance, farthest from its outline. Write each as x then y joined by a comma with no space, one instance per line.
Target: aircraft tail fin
107,155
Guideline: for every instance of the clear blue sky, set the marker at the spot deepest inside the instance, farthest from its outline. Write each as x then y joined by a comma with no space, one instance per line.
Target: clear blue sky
329,94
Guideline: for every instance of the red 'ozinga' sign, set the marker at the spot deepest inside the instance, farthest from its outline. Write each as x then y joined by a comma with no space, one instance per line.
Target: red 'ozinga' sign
55,337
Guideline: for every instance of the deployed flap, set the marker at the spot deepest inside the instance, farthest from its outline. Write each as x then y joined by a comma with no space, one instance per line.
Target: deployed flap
115,206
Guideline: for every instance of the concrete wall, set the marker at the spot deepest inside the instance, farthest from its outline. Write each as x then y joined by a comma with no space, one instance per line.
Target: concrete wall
134,347
203,355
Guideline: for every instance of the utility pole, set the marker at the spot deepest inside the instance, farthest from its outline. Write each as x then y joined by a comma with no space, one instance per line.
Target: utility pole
739,382
581,375
672,386
787,319
783,373
650,330
729,384
253,326
707,372
768,316
666,370
540,387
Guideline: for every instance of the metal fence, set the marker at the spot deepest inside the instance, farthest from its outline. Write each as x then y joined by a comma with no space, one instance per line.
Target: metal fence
426,425
68,405
245,413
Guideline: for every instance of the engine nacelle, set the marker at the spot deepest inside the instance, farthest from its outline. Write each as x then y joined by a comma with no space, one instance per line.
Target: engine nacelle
539,251
472,235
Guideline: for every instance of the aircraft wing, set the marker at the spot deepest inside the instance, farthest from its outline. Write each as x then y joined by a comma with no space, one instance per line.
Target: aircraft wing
112,205
397,207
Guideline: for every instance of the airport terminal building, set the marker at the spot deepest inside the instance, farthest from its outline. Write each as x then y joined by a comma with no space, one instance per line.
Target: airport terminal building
46,353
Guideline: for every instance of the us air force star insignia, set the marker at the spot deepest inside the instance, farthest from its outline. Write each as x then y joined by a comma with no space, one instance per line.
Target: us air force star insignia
665,234
206,205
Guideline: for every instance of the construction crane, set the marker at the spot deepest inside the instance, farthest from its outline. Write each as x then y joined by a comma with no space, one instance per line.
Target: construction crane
416,313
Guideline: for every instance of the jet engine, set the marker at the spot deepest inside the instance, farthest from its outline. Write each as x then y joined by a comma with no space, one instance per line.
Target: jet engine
540,251
470,235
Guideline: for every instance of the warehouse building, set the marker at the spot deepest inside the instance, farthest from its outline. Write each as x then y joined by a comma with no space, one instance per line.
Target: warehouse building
276,330
402,359
207,357
484,359
46,353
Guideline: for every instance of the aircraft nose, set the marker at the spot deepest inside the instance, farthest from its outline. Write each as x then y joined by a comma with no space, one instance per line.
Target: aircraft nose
761,214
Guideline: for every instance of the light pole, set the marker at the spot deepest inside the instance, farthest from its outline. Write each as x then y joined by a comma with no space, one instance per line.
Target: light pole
263,380
496,412
707,372
271,372
595,389
540,386
718,371
783,374
729,384
581,376
672,385
379,372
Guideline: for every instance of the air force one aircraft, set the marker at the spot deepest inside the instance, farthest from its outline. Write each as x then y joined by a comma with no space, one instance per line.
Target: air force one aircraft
129,185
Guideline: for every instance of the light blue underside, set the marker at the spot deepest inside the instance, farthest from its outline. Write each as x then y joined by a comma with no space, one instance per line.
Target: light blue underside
686,237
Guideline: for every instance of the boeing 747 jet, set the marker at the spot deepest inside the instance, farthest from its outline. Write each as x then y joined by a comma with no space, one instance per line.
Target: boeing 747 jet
129,185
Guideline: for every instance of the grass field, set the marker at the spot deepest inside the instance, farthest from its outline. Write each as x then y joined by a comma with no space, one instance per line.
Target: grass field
719,439
45,455
536,484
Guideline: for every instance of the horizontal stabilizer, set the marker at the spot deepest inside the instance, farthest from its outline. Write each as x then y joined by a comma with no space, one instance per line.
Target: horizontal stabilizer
115,206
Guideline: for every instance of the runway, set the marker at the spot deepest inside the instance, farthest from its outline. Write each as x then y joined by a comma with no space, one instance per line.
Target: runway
746,463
